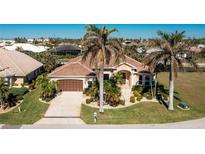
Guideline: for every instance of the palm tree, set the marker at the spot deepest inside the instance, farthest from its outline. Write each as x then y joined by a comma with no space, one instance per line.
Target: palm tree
100,49
48,90
3,91
171,44
47,87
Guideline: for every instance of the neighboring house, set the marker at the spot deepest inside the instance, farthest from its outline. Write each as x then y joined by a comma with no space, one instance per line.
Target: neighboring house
18,68
140,50
201,46
151,50
66,48
195,49
77,75
26,47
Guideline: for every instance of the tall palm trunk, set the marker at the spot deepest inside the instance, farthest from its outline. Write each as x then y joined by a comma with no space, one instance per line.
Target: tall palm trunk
101,77
171,86
155,82
1,100
150,81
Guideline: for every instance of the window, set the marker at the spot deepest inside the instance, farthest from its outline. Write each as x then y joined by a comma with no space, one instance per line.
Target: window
89,84
147,77
106,76
147,83
140,79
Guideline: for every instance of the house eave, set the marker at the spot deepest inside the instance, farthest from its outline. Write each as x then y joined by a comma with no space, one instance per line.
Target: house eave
71,76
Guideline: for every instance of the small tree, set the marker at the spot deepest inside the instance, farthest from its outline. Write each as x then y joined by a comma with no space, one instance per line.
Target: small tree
112,92
48,90
117,78
47,87
3,92
49,61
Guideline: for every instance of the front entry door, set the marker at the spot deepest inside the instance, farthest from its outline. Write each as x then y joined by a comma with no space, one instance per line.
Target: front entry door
124,78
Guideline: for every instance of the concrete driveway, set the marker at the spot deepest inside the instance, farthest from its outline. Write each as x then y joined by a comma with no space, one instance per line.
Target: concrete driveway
64,109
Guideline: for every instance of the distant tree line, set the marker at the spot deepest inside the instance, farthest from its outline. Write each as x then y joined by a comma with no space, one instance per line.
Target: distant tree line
20,40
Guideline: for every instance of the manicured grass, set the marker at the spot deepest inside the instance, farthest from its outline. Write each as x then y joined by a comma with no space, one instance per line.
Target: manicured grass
32,110
189,87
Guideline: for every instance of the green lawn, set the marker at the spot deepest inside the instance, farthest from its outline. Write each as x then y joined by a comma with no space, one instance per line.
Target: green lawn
32,108
188,86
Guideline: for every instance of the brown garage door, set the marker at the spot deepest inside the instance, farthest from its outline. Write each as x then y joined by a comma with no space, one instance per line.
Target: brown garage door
70,85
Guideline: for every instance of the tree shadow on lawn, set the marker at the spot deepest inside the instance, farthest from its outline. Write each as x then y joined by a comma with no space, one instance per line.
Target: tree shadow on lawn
163,102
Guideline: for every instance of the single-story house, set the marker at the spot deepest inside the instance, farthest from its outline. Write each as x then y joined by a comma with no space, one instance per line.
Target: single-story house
26,47
18,68
66,48
77,75
154,49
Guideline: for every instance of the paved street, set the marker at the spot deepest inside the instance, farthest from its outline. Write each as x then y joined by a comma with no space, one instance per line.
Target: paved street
192,124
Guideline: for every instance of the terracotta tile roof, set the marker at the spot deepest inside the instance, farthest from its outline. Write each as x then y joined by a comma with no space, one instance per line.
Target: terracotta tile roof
72,69
77,67
18,63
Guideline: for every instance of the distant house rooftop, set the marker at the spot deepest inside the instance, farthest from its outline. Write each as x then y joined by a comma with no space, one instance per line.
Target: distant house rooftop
66,48
15,63
26,47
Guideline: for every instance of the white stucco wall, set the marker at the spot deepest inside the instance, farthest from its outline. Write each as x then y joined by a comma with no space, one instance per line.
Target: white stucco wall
123,67
133,76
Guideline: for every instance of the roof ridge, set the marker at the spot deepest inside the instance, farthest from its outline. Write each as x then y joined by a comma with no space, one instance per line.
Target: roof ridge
63,66
133,59
13,62
59,68
85,66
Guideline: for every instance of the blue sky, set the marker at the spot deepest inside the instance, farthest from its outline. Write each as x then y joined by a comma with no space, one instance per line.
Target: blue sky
78,30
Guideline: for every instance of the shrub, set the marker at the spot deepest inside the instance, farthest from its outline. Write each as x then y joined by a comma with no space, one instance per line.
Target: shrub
132,99
88,100
149,97
139,88
86,92
11,100
26,84
18,91
136,93
139,98
18,98
47,99
145,94
32,85
122,102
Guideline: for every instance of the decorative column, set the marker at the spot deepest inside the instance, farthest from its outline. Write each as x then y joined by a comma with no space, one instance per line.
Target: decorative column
10,82
132,79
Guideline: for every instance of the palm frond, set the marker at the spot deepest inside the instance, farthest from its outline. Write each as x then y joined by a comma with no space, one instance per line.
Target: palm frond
92,28
112,30
179,63
108,55
164,35
193,63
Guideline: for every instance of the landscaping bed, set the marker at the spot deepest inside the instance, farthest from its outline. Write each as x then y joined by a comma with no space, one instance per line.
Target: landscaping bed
14,98
189,87
32,110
